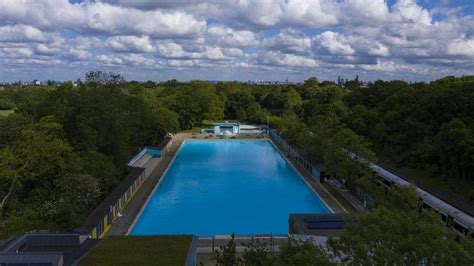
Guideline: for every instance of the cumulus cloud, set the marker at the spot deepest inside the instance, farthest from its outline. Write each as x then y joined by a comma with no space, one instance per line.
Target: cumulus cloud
229,37
130,44
173,50
462,47
126,59
77,55
290,60
16,52
288,41
21,33
333,43
100,18
42,49
298,36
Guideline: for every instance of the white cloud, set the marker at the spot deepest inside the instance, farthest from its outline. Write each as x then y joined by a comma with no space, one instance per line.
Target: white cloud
130,44
180,63
16,52
462,47
379,50
289,60
84,42
333,43
229,37
409,11
100,18
77,55
288,41
21,33
173,50
125,59
42,49
386,66
256,35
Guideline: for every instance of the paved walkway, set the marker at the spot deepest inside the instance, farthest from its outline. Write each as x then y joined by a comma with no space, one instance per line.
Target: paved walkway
121,225
333,199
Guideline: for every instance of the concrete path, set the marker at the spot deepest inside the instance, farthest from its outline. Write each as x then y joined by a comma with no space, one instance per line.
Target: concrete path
335,201
122,224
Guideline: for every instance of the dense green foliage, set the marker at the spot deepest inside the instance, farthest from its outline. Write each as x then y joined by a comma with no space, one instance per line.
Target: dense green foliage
424,126
294,252
65,148
398,233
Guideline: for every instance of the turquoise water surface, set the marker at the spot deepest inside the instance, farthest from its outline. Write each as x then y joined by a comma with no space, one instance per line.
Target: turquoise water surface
223,187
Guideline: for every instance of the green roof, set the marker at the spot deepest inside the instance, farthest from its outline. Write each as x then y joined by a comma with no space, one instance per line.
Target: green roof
140,250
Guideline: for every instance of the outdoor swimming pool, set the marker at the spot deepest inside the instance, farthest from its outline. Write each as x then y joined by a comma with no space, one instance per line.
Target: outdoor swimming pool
223,187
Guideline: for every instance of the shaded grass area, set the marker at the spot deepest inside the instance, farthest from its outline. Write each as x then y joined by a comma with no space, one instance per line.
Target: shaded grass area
192,130
140,250
6,112
205,124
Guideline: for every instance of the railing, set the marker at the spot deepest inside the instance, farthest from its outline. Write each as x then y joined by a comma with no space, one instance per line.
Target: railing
215,242
316,173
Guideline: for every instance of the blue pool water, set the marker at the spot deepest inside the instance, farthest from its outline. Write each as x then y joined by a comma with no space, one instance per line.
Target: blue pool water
224,187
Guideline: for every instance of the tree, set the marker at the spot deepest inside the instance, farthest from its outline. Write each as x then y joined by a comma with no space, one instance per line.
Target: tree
104,77
194,103
6,104
256,254
345,154
295,252
11,126
227,255
311,82
9,177
298,252
395,233
454,146
74,197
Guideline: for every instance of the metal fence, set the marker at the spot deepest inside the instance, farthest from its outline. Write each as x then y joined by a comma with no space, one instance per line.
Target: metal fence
316,173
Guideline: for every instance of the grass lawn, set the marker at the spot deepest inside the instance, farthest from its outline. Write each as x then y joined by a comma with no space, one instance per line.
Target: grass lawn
6,112
140,250
192,130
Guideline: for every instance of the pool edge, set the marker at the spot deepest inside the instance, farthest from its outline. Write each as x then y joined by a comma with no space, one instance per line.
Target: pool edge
137,217
130,228
301,176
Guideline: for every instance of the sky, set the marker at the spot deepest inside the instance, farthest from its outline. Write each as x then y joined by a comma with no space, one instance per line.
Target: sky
236,39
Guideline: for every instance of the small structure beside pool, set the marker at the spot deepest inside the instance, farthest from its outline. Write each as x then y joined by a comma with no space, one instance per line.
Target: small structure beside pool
232,127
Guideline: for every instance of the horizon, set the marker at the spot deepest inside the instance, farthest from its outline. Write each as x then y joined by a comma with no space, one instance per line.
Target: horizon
270,40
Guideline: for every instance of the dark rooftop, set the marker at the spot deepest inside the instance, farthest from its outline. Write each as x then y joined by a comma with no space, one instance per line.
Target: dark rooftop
327,225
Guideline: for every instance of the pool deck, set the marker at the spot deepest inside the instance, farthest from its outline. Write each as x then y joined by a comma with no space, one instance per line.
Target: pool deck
335,200
133,208
338,202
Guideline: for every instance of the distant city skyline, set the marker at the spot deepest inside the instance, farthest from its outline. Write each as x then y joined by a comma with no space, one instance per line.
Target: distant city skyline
271,40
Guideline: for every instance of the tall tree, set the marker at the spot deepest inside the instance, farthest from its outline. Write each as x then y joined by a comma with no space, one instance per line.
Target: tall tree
395,233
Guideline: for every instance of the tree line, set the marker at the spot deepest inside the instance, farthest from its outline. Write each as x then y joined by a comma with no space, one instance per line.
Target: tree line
65,148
